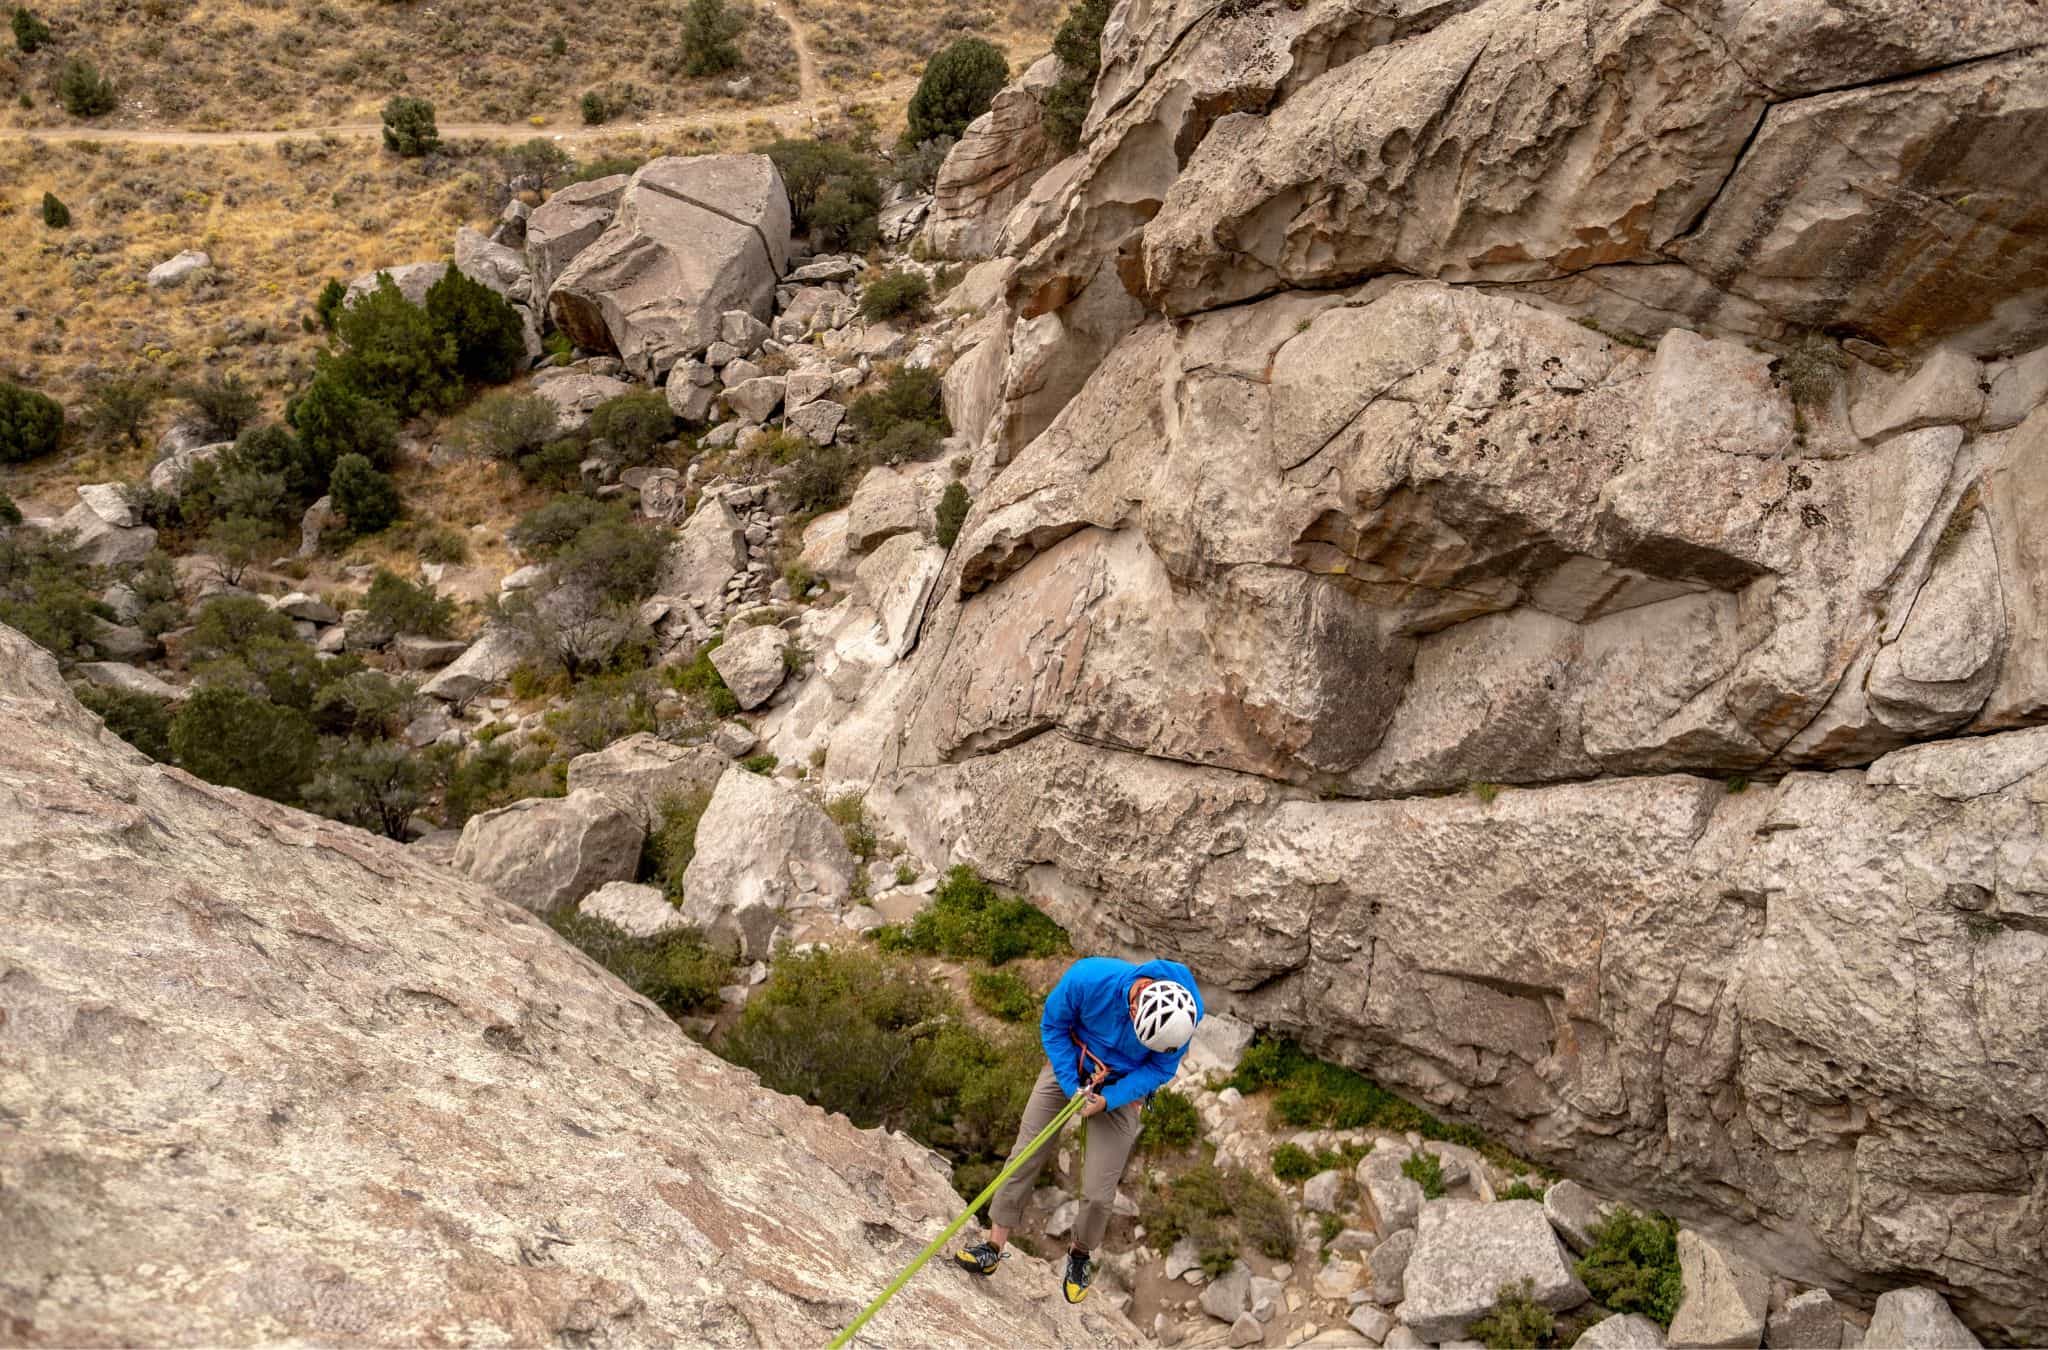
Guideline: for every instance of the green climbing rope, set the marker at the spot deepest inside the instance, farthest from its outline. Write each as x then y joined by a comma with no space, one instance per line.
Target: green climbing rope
1066,1114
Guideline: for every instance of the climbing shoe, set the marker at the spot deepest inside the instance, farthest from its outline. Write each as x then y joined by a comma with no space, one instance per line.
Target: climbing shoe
980,1259
1080,1270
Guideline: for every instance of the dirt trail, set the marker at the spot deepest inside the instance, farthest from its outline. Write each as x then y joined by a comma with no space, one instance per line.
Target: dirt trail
791,118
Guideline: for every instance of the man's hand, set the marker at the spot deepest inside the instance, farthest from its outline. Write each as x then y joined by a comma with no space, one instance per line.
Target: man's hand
1091,1105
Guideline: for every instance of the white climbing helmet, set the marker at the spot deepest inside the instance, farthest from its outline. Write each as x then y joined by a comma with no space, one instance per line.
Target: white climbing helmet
1166,1015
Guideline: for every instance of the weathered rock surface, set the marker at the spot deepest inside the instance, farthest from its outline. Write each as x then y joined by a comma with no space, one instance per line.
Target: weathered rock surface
750,662
576,394
642,911
419,1042
1808,1321
546,852
490,660
413,281
569,221
992,166
104,543
1917,1319
709,551
691,238
763,848
1466,1250
1726,1299
175,270
1630,1331
643,771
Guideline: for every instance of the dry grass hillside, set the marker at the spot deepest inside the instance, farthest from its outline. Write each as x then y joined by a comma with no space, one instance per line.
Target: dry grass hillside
286,64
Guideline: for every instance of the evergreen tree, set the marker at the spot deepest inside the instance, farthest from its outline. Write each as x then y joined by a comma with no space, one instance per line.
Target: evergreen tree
82,91
231,737
958,85
368,498
30,423
490,340
56,214
409,128
711,30
30,32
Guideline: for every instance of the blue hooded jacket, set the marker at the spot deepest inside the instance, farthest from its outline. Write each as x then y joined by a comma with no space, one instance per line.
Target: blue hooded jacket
1093,1001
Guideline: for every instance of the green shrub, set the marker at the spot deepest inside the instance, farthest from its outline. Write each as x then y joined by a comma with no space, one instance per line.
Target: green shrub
239,740
849,811
226,402
1632,1266
46,592
238,543
333,419
555,467
673,841
634,424
595,111
763,763
367,498
366,706
1170,1123
1520,1189
400,606
1223,1210
302,463
951,514
395,353
488,335
1001,994
834,194
711,30
10,514
882,1043
377,786
603,709
506,425
328,305
700,680
138,719
1517,1321
1291,1162
894,295
409,128
958,85
676,970
537,158
904,419
82,90
56,214
970,918
30,423
1308,1092
229,627
30,33
1078,44
1426,1170
546,530
119,409
488,777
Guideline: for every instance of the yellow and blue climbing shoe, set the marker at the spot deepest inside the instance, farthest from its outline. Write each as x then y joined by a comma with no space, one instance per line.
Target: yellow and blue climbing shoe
980,1259
1080,1270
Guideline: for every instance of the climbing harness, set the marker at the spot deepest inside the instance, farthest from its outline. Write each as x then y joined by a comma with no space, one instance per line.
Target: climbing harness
1044,1135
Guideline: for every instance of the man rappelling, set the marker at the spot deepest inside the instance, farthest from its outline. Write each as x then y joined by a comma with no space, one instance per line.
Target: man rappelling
1116,1031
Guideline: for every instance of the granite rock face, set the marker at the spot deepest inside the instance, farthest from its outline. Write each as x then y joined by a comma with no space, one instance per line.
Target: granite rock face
507,1144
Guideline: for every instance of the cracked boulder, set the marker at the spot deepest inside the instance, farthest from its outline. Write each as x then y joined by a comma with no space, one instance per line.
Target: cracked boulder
547,852
692,238
765,851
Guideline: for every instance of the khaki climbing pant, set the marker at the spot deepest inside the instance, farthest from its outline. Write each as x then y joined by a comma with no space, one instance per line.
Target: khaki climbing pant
1111,1136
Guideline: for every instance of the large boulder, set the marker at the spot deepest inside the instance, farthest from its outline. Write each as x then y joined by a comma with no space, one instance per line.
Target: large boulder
576,394
764,850
992,166
569,221
1917,1319
490,660
1726,1300
1465,1251
642,772
170,474
750,661
103,543
547,852
642,911
691,239
219,1007
709,551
